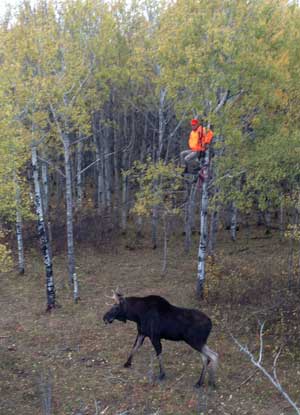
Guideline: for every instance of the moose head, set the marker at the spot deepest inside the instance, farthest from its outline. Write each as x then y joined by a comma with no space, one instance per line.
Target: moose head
118,310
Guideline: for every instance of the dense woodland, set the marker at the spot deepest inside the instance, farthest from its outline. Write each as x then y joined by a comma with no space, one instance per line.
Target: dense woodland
95,103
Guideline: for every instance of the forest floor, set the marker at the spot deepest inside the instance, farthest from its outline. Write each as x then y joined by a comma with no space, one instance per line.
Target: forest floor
68,362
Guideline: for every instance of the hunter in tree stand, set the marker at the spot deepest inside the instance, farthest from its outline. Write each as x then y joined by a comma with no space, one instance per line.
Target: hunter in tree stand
199,140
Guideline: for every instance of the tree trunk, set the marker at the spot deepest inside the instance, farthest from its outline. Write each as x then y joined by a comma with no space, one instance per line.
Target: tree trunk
203,229
99,172
79,192
281,219
154,225
233,222
45,201
161,122
107,171
116,209
124,212
291,253
50,288
69,213
214,222
166,232
45,187
19,228
189,215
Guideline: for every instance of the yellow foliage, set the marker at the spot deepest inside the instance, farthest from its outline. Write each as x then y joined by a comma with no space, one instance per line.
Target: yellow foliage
6,262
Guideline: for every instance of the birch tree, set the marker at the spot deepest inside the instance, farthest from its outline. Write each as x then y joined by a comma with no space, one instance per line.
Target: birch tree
50,288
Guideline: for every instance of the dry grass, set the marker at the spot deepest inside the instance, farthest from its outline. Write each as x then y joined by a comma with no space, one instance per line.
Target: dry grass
72,356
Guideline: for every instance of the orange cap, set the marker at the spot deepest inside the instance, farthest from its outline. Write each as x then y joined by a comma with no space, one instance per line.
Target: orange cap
194,122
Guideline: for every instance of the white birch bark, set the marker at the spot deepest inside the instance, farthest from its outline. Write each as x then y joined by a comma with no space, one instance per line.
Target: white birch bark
161,122
116,206
69,214
203,229
45,202
19,228
107,172
50,288
165,255
45,192
79,190
100,179
124,211
161,130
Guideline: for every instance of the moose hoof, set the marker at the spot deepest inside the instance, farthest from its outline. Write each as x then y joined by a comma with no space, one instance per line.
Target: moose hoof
162,376
198,385
212,384
127,364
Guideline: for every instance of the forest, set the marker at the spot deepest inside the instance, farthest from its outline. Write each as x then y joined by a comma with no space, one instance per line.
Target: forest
96,101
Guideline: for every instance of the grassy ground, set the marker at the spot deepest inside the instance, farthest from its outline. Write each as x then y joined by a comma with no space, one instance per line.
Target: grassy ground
70,359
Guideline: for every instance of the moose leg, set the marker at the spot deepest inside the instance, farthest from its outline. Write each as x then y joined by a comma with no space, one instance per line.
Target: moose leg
158,348
212,364
203,372
137,344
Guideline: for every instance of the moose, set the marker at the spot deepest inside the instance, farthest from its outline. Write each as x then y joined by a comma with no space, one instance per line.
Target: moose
157,319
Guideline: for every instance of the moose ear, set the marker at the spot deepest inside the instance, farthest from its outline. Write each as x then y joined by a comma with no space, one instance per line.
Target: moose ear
118,297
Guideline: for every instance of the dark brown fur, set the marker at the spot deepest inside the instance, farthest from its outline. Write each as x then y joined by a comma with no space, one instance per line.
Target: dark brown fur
157,319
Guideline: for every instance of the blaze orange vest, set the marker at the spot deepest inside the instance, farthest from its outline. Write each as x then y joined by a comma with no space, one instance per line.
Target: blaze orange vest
200,138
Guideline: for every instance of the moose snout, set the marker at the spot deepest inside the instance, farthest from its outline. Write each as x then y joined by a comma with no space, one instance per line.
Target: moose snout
107,320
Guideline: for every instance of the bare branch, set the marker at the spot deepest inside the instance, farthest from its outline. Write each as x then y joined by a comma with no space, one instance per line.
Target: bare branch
261,342
222,102
82,84
52,165
257,363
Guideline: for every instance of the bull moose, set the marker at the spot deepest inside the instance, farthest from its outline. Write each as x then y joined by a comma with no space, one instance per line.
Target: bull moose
157,319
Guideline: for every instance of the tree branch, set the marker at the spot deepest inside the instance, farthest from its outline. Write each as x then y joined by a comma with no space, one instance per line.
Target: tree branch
52,165
257,363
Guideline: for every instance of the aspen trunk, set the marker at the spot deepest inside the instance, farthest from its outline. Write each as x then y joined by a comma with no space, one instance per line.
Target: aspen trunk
203,229
268,220
281,219
291,253
50,288
107,171
69,214
161,122
189,215
233,222
19,228
79,192
165,255
139,226
125,197
100,179
45,187
154,225
214,222
214,219
161,130
116,208
45,202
